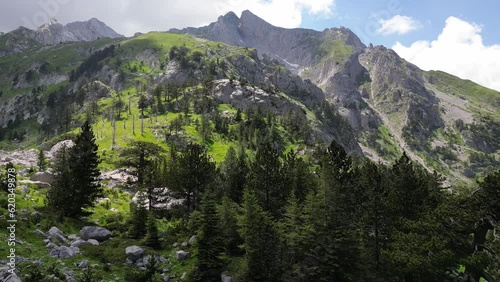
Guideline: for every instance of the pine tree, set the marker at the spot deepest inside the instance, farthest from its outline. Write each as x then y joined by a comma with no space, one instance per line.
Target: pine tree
196,172
267,181
76,182
260,241
41,161
137,221
152,239
228,213
234,174
210,242
140,155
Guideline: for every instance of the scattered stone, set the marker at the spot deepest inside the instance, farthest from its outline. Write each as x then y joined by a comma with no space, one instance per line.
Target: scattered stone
51,246
134,253
72,237
24,189
62,252
54,230
182,255
44,176
175,245
79,242
183,276
83,264
58,239
225,277
166,270
184,244
93,232
192,240
39,233
38,184
36,215
93,242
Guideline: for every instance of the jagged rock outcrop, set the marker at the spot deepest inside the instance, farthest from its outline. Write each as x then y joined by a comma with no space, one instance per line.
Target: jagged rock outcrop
53,32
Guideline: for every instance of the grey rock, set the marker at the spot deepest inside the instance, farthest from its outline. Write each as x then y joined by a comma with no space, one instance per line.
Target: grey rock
58,239
192,240
44,176
54,230
79,242
62,252
184,244
93,242
225,277
134,253
182,255
83,264
166,270
39,233
51,246
175,245
24,189
72,237
93,232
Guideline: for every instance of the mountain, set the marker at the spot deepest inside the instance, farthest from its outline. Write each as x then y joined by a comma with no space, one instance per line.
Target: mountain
367,98
53,32
390,103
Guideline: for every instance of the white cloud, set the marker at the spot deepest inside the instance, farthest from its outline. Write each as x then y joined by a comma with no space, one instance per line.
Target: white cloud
458,50
130,16
398,25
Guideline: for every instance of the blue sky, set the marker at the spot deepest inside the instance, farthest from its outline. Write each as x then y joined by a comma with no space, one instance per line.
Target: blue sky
461,37
431,14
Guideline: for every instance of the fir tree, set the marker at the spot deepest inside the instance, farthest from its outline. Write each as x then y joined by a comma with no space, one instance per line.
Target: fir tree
210,242
41,161
234,173
260,241
152,239
76,182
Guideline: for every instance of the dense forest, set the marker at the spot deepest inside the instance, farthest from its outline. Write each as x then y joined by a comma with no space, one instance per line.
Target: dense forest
280,216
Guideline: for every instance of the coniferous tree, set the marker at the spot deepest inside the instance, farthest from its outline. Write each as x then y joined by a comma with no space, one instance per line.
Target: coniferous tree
196,172
260,241
137,221
228,213
41,161
76,182
152,239
140,155
266,179
210,242
234,173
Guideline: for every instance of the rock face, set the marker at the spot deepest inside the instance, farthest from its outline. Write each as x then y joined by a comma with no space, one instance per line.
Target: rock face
52,32
93,232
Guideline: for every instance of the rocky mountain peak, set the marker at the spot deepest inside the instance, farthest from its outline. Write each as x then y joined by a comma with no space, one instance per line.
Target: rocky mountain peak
53,22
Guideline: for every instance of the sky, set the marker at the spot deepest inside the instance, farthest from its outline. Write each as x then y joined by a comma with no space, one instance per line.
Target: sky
457,36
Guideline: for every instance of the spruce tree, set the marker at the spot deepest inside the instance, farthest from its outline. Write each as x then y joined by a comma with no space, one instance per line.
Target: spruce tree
210,242
234,175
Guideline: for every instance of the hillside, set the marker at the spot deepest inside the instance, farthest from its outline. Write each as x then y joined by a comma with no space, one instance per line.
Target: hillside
390,104
283,150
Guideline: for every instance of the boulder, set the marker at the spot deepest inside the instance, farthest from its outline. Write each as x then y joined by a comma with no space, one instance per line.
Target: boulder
79,242
93,232
84,263
44,176
93,242
58,239
192,240
72,237
39,233
134,253
182,255
62,252
57,147
224,277
54,230
38,184
184,244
